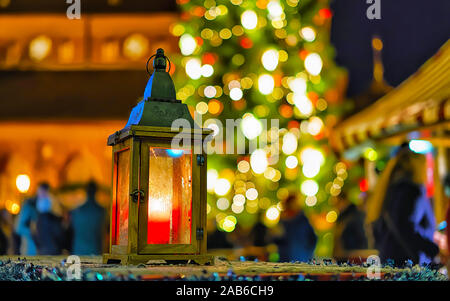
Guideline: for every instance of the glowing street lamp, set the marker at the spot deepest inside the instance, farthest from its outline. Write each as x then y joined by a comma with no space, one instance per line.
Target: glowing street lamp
23,183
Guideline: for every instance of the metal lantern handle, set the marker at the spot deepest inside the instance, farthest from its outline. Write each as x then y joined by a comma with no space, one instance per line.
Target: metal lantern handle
148,61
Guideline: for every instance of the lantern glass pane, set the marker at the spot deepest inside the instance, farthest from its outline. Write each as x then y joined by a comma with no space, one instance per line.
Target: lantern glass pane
170,196
122,202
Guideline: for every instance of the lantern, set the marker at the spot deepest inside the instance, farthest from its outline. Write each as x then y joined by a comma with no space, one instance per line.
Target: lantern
158,209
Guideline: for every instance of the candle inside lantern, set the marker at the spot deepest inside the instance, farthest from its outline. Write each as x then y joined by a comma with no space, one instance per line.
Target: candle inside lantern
159,213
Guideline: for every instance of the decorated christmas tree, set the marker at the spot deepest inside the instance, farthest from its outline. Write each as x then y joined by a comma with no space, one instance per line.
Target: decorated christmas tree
265,60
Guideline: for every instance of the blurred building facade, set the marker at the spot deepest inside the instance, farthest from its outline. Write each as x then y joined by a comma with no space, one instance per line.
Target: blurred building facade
68,84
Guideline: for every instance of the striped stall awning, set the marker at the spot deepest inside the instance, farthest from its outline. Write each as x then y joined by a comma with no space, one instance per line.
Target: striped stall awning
421,101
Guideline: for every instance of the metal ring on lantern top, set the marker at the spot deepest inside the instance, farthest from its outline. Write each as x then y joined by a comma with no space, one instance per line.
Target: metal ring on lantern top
148,61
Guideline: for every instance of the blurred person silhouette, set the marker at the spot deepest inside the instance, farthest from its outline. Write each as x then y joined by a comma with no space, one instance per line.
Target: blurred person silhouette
216,238
3,243
5,232
400,212
27,219
259,234
441,236
8,241
298,240
50,232
350,235
88,224
447,217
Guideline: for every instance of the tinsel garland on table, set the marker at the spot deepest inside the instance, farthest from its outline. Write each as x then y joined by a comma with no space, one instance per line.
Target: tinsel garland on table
22,270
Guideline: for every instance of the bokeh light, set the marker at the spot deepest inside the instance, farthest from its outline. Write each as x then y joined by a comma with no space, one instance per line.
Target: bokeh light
331,216
23,183
258,161
187,44
311,155
135,46
210,91
310,170
15,208
40,48
193,68
298,85
237,208
269,59
243,166
311,201
229,223
202,107
266,84
222,187
251,127
249,19
251,194
207,70
223,203
239,199
308,34
236,94
291,162
417,146
211,176
309,188
315,126
313,64
289,143
303,104
370,154
273,214
275,10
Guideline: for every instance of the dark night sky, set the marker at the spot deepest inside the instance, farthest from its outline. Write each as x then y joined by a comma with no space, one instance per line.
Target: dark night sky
411,30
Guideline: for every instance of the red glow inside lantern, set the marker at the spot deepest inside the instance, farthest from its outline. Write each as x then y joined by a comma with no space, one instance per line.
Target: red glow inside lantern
170,196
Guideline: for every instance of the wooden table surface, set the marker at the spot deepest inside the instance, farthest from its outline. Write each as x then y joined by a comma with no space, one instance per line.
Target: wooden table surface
158,270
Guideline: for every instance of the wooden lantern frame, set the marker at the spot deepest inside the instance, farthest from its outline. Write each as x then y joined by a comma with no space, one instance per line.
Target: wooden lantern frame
138,140
150,125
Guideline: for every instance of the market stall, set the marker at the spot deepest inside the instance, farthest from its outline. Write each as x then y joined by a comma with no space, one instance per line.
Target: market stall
419,108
